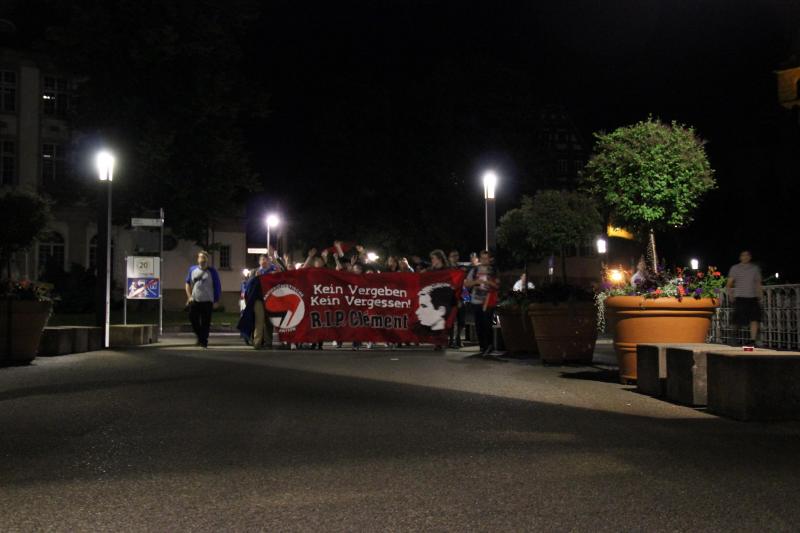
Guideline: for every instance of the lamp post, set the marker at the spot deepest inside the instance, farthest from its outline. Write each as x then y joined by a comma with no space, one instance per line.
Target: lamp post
105,170
271,221
694,263
489,184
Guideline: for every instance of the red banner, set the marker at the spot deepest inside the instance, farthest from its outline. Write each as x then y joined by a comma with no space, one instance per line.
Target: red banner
317,304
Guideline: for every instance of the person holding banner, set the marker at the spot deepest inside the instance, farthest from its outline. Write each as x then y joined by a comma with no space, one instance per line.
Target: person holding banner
203,290
262,329
484,285
461,316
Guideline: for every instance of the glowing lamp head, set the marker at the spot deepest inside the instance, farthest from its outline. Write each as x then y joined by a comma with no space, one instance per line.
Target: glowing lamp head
601,246
489,184
105,165
695,264
372,257
777,275
616,276
272,221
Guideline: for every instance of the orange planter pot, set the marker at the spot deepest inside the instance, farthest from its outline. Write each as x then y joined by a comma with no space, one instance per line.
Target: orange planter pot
637,320
28,319
517,330
565,333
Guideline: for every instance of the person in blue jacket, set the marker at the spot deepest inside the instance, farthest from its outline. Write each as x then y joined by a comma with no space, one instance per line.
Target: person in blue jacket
203,290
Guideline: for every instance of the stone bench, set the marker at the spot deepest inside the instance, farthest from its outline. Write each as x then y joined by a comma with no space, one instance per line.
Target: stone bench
687,379
57,340
651,368
761,385
132,335
63,340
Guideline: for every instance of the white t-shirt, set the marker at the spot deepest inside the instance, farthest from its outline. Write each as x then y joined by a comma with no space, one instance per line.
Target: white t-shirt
518,285
746,277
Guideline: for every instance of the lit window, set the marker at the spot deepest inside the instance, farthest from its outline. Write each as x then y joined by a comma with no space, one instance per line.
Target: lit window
56,96
225,256
53,163
8,162
8,91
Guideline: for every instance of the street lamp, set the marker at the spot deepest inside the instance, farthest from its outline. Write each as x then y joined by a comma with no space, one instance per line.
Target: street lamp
271,221
695,264
105,171
372,257
489,184
602,246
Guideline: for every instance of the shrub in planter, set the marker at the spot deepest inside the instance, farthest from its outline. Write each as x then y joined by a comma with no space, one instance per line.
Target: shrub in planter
512,313
650,177
564,320
561,314
24,305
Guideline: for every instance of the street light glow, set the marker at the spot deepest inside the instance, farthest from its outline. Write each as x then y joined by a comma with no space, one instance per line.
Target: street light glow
272,220
489,184
372,257
695,264
105,165
616,275
601,246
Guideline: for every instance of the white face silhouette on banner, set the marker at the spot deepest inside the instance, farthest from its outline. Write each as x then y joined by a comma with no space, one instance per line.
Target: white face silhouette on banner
435,302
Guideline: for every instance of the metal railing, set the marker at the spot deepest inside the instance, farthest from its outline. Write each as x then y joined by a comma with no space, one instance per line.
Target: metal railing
780,320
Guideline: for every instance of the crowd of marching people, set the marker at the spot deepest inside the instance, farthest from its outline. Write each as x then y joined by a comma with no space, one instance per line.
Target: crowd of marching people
479,292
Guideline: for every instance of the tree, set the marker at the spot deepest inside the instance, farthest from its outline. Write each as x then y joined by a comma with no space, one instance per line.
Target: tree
547,224
168,86
651,176
24,216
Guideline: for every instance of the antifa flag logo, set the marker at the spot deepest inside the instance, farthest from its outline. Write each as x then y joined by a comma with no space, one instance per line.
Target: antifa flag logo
284,306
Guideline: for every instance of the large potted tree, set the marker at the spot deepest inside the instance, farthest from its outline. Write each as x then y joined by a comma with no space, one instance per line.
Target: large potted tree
651,177
561,313
24,305
512,311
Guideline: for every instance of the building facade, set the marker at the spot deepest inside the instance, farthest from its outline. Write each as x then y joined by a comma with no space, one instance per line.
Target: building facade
38,151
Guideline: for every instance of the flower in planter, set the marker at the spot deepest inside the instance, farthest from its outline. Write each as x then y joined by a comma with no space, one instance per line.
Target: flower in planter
662,284
26,290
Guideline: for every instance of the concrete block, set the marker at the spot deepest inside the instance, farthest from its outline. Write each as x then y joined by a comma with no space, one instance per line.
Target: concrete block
125,335
686,372
762,385
133,335
651,368
80,339
56,341
96,336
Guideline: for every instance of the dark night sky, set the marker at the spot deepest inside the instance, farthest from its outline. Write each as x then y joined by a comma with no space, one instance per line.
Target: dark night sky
384,110
392,84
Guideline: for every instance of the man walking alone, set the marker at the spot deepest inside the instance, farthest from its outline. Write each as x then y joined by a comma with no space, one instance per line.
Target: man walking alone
203,290
744,286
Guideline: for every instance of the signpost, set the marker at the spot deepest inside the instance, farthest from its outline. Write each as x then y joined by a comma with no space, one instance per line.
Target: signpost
143,280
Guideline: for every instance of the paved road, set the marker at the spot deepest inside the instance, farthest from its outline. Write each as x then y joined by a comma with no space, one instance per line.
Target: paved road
171,438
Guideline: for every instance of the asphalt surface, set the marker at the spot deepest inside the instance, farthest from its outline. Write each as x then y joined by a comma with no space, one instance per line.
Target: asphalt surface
172,438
